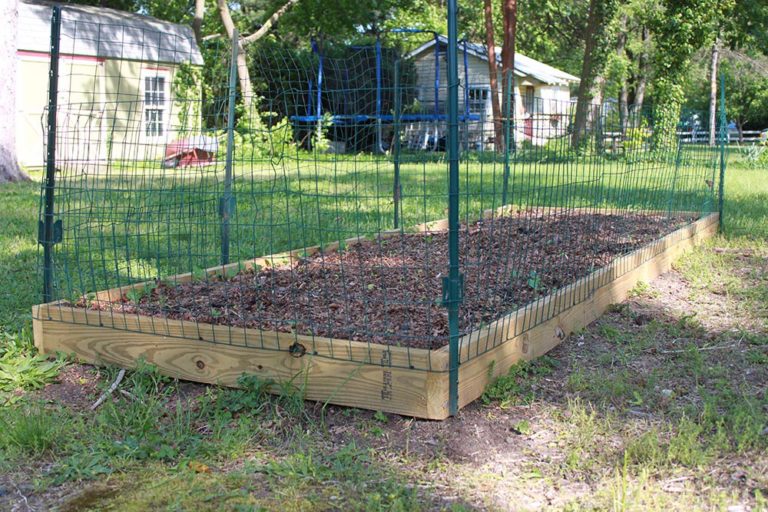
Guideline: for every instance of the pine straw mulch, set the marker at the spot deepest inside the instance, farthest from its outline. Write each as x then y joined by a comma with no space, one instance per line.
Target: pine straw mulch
388,290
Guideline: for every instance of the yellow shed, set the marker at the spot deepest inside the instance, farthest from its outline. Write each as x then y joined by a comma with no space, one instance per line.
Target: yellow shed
116,84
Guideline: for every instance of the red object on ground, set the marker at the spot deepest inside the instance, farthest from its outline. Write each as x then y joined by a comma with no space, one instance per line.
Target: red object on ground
191,151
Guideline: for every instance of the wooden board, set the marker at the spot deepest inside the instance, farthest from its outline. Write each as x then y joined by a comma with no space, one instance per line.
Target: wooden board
616,280
412,382
184,350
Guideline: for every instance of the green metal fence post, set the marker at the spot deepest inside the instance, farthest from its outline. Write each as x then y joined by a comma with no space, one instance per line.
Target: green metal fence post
452,285
226,206
723,138
47,231
396,147
508,98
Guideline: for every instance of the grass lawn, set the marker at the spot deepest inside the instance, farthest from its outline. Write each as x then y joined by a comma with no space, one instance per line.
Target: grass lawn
661,404
125,225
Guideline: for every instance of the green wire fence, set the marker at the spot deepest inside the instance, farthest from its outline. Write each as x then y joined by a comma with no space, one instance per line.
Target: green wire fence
414,221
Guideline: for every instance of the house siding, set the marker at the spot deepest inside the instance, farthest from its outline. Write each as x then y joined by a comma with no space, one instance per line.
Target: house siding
548,119
100,110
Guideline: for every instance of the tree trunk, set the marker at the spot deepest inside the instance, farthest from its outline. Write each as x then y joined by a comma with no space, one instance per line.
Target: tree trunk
243,74
623,109
9,167
642,78
242,65
197,21
623,92
267,26
713,92
595,117
595,56
493,70
509,11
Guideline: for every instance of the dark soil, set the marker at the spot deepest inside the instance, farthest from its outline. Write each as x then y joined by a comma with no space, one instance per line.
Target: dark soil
389,290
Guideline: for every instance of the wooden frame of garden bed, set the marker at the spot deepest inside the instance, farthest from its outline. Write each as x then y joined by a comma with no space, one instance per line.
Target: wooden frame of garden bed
411,382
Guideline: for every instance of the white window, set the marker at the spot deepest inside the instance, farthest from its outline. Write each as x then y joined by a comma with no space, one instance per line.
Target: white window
529,100
478,100
155,120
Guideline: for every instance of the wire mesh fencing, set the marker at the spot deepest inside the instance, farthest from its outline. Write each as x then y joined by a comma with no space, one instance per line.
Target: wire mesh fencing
318,207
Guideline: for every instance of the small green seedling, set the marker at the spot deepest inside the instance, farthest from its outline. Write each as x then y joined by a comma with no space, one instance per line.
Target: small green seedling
136,294
199,274
523,427
534,281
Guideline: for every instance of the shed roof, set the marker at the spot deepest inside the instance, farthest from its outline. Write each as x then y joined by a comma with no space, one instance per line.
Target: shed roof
106,33
524,66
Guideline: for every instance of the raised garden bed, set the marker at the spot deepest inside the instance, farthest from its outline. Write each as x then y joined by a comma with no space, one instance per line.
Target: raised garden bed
363,326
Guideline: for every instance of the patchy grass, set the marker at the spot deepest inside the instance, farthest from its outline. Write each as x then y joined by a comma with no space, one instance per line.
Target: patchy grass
661,404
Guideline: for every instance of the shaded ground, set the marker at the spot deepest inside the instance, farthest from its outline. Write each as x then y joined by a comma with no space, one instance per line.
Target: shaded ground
662,404
388,290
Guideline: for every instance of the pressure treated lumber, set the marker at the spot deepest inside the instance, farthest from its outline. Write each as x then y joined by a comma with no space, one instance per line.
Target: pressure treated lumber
602,288
412,382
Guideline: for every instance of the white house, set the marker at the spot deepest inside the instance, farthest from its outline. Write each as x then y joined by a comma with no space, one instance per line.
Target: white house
542,92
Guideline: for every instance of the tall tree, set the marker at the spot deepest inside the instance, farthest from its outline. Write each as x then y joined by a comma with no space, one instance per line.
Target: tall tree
9,167
643,70
742,26
621,46
713,91
597,46
552,31
197,21
681,28
493,70
243,74
746,87
509,13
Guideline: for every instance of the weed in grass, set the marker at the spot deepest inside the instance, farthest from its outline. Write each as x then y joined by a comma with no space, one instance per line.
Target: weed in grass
27,371
523,427
691,362
618,388
756,356
515,386
685,447
642,289
757,339
29,429
610,333
252,396
83,465
738,421
646,450
585,428
20,368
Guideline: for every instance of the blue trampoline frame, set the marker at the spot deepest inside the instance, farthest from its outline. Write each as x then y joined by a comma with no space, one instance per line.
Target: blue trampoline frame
315,108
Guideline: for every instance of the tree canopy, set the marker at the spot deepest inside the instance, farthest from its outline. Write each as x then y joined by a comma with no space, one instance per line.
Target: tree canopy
650,51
